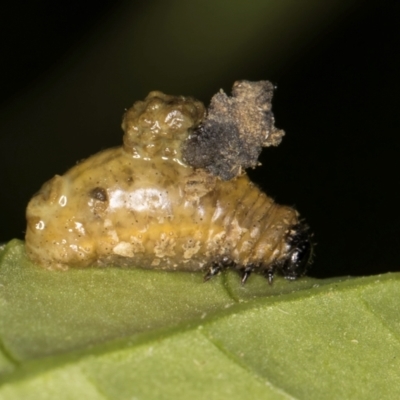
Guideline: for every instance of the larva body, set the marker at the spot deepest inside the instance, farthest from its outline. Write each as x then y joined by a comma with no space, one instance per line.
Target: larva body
140,205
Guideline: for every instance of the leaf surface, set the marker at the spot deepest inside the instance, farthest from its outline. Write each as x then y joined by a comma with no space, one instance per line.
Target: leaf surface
118,333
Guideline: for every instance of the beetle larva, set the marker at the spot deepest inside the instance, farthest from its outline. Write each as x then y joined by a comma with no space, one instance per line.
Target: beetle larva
157,203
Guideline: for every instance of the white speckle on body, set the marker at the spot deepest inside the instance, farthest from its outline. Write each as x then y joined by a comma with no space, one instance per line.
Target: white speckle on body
124,249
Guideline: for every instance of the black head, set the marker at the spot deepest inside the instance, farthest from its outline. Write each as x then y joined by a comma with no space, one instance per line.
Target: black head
300,252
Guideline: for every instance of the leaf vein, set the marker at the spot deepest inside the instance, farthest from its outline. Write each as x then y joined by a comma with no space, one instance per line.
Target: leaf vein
232,358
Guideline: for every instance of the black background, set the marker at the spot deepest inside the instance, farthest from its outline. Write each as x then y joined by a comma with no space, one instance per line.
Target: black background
64,89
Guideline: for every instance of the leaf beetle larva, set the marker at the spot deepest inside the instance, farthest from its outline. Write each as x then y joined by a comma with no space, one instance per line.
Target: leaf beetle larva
175,196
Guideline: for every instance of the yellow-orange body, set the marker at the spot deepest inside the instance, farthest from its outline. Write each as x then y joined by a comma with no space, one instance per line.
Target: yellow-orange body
115,209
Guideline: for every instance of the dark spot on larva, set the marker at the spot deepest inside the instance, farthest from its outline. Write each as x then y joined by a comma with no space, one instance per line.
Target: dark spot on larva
98,193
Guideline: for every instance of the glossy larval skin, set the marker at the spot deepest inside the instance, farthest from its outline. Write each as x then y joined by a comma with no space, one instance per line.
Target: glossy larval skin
141,205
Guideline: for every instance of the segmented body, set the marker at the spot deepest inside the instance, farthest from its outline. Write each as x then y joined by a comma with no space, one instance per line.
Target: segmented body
113,209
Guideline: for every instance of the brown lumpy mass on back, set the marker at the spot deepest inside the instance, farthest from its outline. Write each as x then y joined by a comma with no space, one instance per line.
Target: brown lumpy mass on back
236,129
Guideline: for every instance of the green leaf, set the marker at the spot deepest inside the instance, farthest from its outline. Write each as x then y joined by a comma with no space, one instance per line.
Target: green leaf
118,333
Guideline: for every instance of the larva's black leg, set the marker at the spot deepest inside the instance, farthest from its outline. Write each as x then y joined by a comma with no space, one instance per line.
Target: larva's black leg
246,272
213,270
269,273
245,276
217,267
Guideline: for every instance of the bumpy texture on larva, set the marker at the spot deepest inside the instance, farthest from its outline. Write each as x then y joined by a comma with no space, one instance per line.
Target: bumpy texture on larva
158,126
142,205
